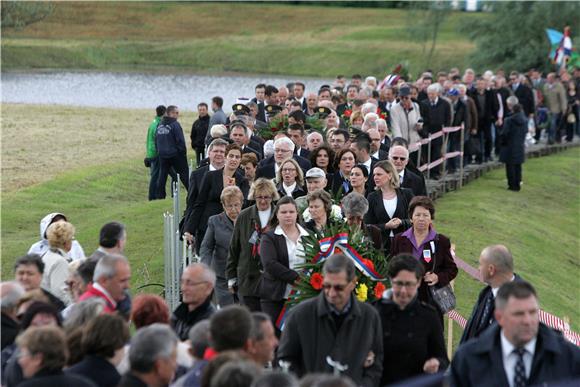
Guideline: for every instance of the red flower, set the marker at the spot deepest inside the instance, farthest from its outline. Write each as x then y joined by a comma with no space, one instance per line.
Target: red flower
316,281
368,263
347,113
379,289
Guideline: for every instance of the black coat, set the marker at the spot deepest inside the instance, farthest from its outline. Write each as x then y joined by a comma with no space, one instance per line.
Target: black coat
10,329
513,138
336,185
198,132
414,183
56,378
130,380
485,114
266,166
277,273
377,215
459,114
195,179
99,370
182,320
437,116
525,98
411,336
479,362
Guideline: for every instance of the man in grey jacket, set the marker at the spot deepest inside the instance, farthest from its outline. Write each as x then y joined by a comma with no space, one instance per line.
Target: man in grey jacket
335,330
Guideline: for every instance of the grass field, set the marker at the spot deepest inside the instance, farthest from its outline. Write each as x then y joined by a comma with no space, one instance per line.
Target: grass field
229,37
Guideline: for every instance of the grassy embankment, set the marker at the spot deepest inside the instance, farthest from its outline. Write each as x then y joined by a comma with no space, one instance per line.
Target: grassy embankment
217,38
539,224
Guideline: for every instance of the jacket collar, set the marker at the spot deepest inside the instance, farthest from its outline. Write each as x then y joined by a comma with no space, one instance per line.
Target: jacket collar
323,309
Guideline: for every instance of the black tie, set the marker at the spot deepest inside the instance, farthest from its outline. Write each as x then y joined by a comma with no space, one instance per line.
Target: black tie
520,369
486,315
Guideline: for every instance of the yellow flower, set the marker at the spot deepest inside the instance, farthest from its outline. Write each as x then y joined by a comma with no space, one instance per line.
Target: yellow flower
362,292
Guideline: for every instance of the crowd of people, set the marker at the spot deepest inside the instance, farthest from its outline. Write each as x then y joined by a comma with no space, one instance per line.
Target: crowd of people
340,158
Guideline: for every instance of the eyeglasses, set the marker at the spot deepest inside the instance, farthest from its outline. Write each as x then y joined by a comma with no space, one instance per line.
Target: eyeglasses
288,169
282,150
337,288
395,158
401,284
190,283
263,197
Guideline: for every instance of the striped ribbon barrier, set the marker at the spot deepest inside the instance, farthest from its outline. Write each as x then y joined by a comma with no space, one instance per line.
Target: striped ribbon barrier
545,317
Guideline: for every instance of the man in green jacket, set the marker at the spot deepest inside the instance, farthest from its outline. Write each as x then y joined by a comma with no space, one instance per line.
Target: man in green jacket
151,158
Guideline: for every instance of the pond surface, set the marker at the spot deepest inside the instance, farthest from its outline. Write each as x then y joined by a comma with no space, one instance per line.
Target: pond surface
135,90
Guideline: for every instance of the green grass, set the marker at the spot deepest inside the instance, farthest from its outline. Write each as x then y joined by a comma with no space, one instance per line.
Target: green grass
217,38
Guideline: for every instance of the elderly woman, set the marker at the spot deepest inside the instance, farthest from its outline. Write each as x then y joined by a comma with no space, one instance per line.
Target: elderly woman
359,175
319,209
243,263
103,345
281,251
512,138
355,206
388,204
208,200
216,244
42,356
411,329
433,250
356,119
290,179
41,247
343,163
323,158
60,237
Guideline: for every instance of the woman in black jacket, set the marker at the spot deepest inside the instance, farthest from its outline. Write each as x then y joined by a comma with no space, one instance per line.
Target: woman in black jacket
208,202
281,251
388,204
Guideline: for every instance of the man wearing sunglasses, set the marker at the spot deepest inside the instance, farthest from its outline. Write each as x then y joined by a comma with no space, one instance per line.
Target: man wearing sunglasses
399,156
334,330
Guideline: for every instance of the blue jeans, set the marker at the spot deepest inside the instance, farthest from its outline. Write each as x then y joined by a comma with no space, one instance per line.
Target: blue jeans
554,126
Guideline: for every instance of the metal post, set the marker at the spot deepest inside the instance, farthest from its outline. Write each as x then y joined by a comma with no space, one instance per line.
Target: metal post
429,157
450,332
443,154
176,261
462,141
167,257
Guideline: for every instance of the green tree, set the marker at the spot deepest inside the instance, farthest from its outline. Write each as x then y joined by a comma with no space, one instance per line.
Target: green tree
19,14
513,36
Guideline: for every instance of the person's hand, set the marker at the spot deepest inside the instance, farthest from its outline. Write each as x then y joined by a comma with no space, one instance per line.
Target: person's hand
431,366
188,237
393,224
431,278
229,181
473,131
232,290
499,122
370,360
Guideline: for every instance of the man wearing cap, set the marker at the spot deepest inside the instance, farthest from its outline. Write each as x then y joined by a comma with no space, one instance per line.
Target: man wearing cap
459,118
315,179
406,120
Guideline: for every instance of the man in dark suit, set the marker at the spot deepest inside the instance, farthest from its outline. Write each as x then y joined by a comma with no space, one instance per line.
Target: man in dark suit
259,101
376,150
283,149
496,267
438,115
399,156
487,106
361,146
523,92
298,90
240,134
459,118
297,134
518,351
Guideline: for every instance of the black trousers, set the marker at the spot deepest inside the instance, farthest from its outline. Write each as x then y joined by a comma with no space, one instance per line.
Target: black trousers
252,302
273,309
485,138
435,155
179,163
514,176
199,155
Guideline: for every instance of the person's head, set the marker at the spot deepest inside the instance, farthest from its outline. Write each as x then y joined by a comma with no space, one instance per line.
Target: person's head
263,340
319,204
283,95
199,338
324,94
299,88
275,379
263,192
202,109
28,271
217,103
83,312
339,280
355,206
147,309
85,272
290,173
433,92
218,131
237,373
113,236
105,336
296,133
496,265
356,119
315,179
239,134
376,138
233,156
358,176
516,312
271,95
160,110
312,100
260,91
11,293
40,314
344,161
283,149
385,175
285,213
339,140
60,235
322,157
314,140
405,273
153,354
362,148
232,199
399,156
230,328
113,273
512,101
421,212
41,348
75,285
197,284
249,164
481,84
327,380
217,152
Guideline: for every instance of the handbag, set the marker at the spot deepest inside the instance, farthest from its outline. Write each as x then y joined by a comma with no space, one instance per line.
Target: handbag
571,119
442,295
473,146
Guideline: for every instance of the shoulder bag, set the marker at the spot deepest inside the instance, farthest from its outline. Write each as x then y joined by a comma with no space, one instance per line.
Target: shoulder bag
442,295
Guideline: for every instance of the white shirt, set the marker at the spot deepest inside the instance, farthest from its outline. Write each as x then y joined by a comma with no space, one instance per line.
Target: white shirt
295,251
264,217
376,155
212,168
495,290
401,176
368,164
510,358
289,189
390,207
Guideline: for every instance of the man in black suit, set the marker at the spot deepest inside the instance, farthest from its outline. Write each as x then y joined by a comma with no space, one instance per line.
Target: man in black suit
351,95
518,351
487,106
270,98
298,90
523,92
240,134
376,150
399,156
459,118
438,115
217,159
297,134
361,146
259,101
283,149
496,267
